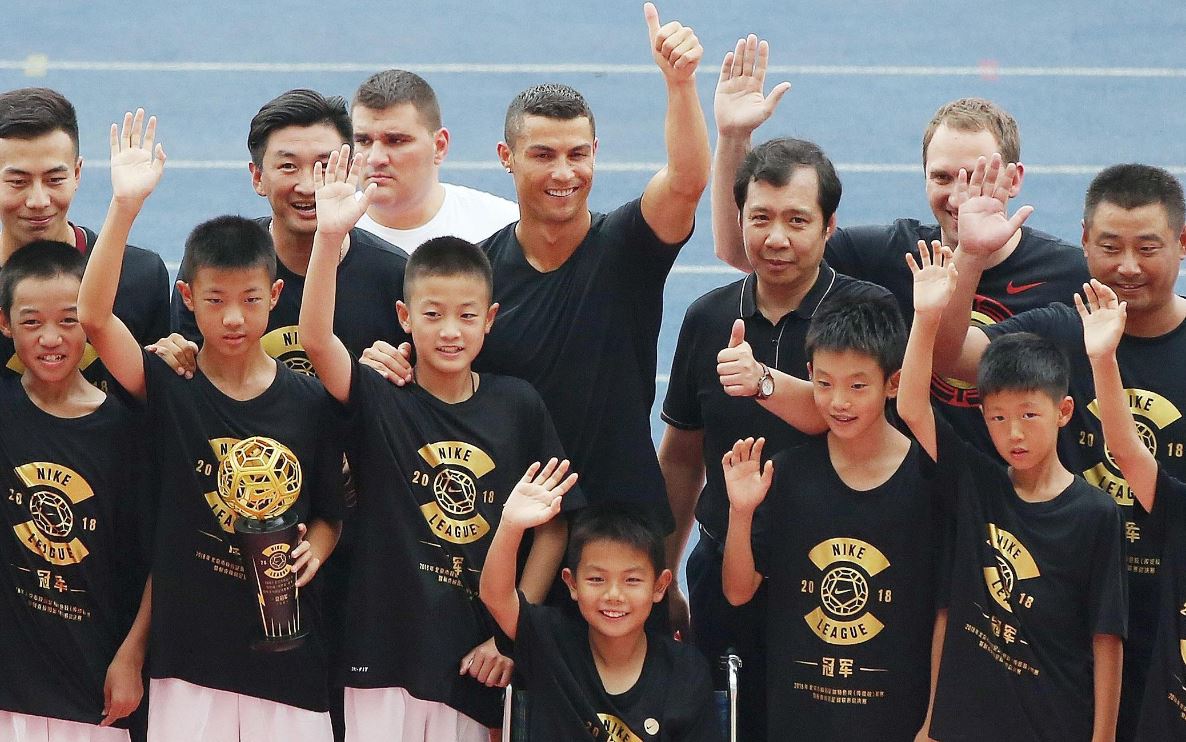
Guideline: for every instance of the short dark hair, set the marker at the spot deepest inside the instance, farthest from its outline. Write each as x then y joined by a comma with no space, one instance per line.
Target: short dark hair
1131,186
872,326
299,107
1023,362
27,113
448,256
388,88
620,524
42,259
774,162
228,242
550,100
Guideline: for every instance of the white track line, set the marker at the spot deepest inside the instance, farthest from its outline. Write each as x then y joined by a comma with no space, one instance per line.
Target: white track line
37,65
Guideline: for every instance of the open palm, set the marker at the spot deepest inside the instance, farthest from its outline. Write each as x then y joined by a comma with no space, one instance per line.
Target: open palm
1103,318
746,481
136,164
739,105
536,498
338,207
934,277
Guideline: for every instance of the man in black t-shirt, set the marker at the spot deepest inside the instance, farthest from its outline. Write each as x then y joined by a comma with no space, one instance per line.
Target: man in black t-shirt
1031,268
582,292
41,169
288,135
1134,239
786,193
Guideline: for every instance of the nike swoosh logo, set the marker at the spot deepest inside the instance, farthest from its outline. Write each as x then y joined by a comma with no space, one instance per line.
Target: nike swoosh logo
1011,289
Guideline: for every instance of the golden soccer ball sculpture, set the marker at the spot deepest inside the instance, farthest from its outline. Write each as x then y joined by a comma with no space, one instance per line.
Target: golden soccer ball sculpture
259,478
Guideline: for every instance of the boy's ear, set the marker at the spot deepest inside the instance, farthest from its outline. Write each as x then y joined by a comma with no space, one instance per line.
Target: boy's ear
891,384
277,287
404,316
662,582
5,325
187,295
571,580
1065,408
490,314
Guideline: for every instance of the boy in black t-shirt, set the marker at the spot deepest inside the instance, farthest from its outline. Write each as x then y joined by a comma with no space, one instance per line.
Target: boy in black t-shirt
1037,608
846,540
1163,711
601,676
434,462
208,684
73,562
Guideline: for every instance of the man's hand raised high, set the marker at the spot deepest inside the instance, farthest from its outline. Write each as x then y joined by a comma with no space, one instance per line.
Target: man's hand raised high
739,105
136,160
674,46
981,198
338,209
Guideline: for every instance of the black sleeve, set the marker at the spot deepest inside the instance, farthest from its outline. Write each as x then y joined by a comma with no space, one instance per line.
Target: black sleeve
1056,322
704,723
1108,591
650,257
859,252
182,320
680,406
1169,503
533,633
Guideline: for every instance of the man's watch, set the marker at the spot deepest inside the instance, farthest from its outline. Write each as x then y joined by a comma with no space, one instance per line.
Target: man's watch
765,384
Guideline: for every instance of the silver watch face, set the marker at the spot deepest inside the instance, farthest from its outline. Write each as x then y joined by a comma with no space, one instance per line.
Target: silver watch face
766,386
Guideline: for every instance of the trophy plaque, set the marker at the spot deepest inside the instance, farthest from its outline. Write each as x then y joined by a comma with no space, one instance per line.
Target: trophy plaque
260,479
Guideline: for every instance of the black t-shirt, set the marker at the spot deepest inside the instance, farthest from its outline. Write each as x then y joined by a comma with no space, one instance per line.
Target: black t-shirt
204,611
672,700
73,555
851,589
370,281
695,399
432,479
1042,269
585,335
141,302
1163,713
1032,584
1151,370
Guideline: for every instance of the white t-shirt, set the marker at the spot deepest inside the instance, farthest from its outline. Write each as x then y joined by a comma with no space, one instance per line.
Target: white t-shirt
467,213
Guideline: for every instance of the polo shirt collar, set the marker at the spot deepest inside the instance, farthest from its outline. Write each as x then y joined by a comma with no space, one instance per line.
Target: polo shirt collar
807,308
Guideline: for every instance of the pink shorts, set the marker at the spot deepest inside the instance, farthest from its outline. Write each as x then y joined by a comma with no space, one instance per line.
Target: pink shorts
25,728
184,712
391,715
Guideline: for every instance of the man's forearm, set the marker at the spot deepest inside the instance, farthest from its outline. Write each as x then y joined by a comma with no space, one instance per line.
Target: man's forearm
730,151
957,316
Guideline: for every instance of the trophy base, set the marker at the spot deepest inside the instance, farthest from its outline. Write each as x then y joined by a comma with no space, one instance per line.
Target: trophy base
279,643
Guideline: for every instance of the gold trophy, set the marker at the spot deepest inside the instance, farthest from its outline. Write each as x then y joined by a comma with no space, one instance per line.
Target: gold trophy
260,479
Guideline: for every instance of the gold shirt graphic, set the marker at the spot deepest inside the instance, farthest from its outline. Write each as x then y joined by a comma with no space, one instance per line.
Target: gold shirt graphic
843,616
1013,563
452,514
284,344
1152,413
52,531
617,729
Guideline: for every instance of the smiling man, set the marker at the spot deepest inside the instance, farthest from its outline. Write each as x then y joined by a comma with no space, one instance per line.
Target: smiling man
40,169
398,131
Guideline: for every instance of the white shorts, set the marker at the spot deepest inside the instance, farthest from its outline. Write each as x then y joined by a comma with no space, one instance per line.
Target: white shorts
25,728
391,715
183,712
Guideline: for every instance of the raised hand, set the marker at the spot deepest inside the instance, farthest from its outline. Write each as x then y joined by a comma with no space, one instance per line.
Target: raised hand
536,498
137,161
934,277
739,104
739,371
674,46
746,480
338,209
984,227
1103,318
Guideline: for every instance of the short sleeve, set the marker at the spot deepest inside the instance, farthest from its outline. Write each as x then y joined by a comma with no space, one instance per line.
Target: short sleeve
532,634
681,409
648,257
1055,322
1108,591
859,252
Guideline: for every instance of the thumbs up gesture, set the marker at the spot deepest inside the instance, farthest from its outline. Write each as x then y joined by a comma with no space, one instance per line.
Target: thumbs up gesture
736,366
674,46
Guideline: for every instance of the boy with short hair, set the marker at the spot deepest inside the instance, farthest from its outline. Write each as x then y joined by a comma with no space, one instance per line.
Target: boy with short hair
1162,496
1037,604
73,564
847,538
434,461
208,685
600,676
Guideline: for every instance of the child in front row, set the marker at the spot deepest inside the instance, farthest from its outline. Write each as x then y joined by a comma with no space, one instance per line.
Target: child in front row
208,683
599,676
1163,711
434,462
73,521
1037,612
846,536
